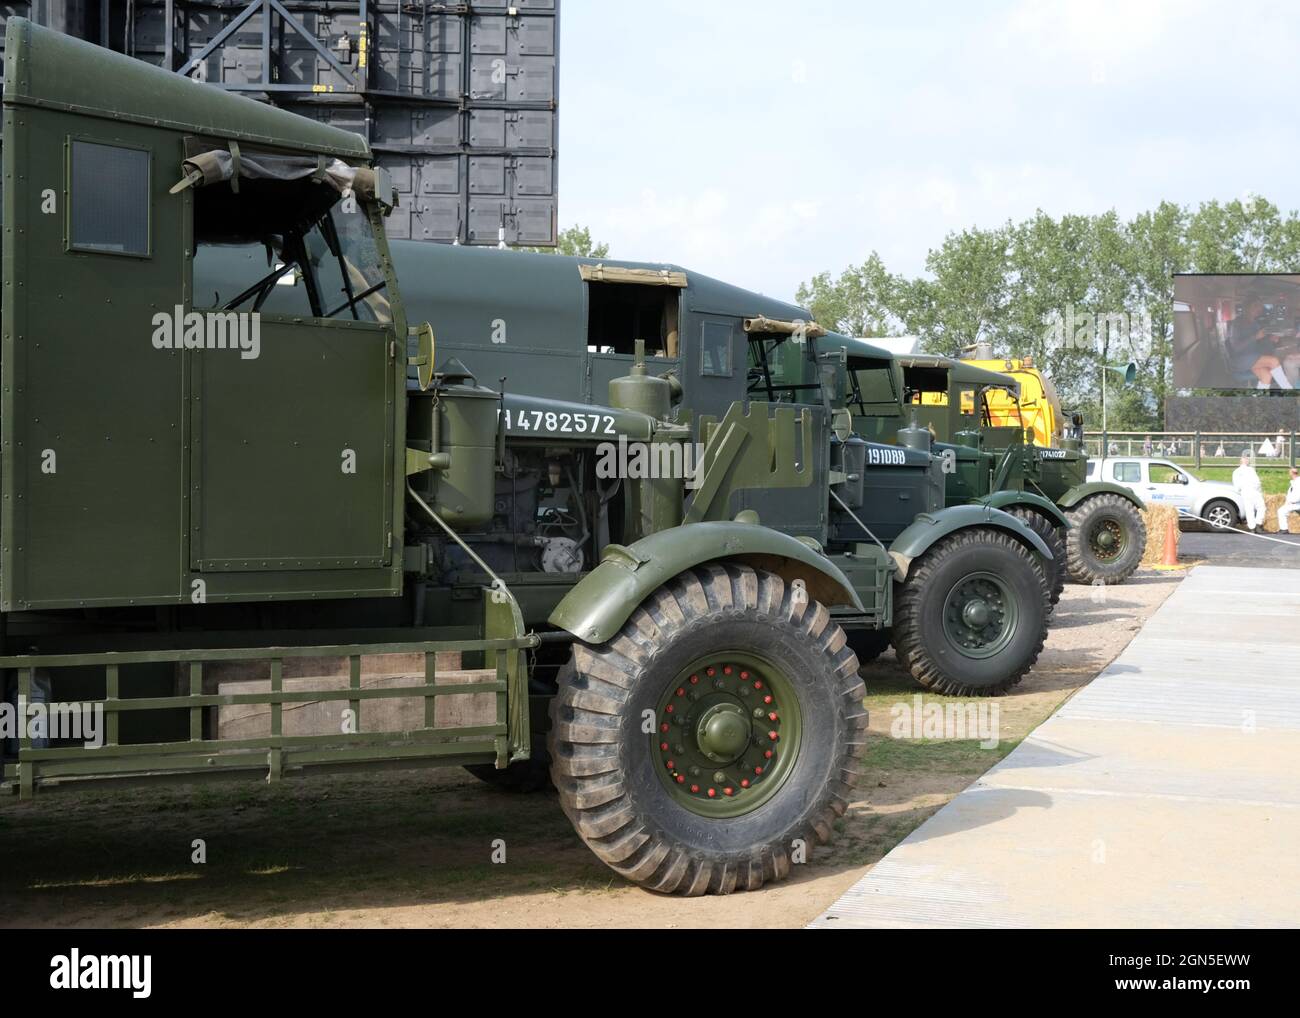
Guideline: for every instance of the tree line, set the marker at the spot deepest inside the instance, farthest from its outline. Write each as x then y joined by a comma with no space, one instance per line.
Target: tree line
1059,289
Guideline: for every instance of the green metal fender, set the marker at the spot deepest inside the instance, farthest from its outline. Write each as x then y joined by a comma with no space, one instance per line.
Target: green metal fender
928,528
1081,491
1011,497
598,605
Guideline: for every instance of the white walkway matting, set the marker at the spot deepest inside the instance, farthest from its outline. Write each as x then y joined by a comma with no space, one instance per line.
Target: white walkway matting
1166,793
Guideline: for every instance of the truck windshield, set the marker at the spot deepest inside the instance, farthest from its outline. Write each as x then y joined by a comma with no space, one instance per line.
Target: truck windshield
872,392
780,371
292,248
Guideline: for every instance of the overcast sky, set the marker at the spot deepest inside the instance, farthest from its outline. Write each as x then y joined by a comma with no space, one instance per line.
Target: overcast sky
764,141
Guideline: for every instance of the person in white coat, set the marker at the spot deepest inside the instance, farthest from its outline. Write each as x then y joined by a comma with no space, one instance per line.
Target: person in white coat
1246,481
1292,503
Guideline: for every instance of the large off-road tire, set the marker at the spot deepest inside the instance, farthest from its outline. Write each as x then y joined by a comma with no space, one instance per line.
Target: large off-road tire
715,738
971,617
867,644
1106,539
1054,538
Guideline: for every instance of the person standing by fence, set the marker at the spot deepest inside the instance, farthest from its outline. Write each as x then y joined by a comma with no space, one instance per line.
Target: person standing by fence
1246,481
1292,503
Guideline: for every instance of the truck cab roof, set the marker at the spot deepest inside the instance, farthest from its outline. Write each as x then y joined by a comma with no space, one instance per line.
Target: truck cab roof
49,69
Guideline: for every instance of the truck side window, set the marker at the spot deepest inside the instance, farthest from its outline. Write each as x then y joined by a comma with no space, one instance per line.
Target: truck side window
1128,473
715,349
109,199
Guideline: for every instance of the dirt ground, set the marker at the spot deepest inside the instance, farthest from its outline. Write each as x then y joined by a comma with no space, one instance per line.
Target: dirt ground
416,849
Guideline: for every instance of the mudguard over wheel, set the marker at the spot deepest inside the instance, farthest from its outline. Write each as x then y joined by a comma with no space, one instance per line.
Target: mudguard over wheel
1054,538
971,617
1106,540
868,644
715,738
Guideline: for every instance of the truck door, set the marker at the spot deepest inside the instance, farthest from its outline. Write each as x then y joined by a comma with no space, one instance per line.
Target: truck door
294,425
1168,485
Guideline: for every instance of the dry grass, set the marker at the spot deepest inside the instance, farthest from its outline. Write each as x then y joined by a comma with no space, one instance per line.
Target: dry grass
1158,519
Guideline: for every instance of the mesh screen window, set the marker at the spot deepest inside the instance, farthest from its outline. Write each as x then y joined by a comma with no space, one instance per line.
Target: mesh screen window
110,199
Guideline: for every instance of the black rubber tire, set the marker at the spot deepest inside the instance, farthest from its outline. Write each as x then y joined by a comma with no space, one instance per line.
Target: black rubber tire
1081,563
867,644
604,768
1233,518
1054,537
920,639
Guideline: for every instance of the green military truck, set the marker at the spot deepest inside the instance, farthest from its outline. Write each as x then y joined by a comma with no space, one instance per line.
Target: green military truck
960,591
235,531
1095,529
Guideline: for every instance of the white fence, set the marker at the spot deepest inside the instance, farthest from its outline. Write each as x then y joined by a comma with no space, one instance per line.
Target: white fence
1199,447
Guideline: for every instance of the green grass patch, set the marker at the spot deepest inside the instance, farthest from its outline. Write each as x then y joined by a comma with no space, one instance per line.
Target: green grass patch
949,756
1274,478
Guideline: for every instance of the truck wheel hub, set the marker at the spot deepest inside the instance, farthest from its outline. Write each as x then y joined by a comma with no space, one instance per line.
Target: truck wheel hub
727,735
1108,539
723,732
980,615
976,614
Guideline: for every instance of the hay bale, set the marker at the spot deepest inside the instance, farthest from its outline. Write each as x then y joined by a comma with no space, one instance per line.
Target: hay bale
1271,505
1157,519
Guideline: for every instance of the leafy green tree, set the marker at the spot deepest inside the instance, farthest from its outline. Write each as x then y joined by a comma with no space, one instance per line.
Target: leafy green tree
861,301
1076,293
575,241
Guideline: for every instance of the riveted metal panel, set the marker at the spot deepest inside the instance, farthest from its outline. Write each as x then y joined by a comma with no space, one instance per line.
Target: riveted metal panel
448,91
441,92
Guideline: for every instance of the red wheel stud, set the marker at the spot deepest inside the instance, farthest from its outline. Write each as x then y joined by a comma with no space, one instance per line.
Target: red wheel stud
728,791
712,794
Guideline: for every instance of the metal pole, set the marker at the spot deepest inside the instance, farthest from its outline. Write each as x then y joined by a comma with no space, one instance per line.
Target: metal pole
266,42
1105,446
169,36
1103,398
1197,440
